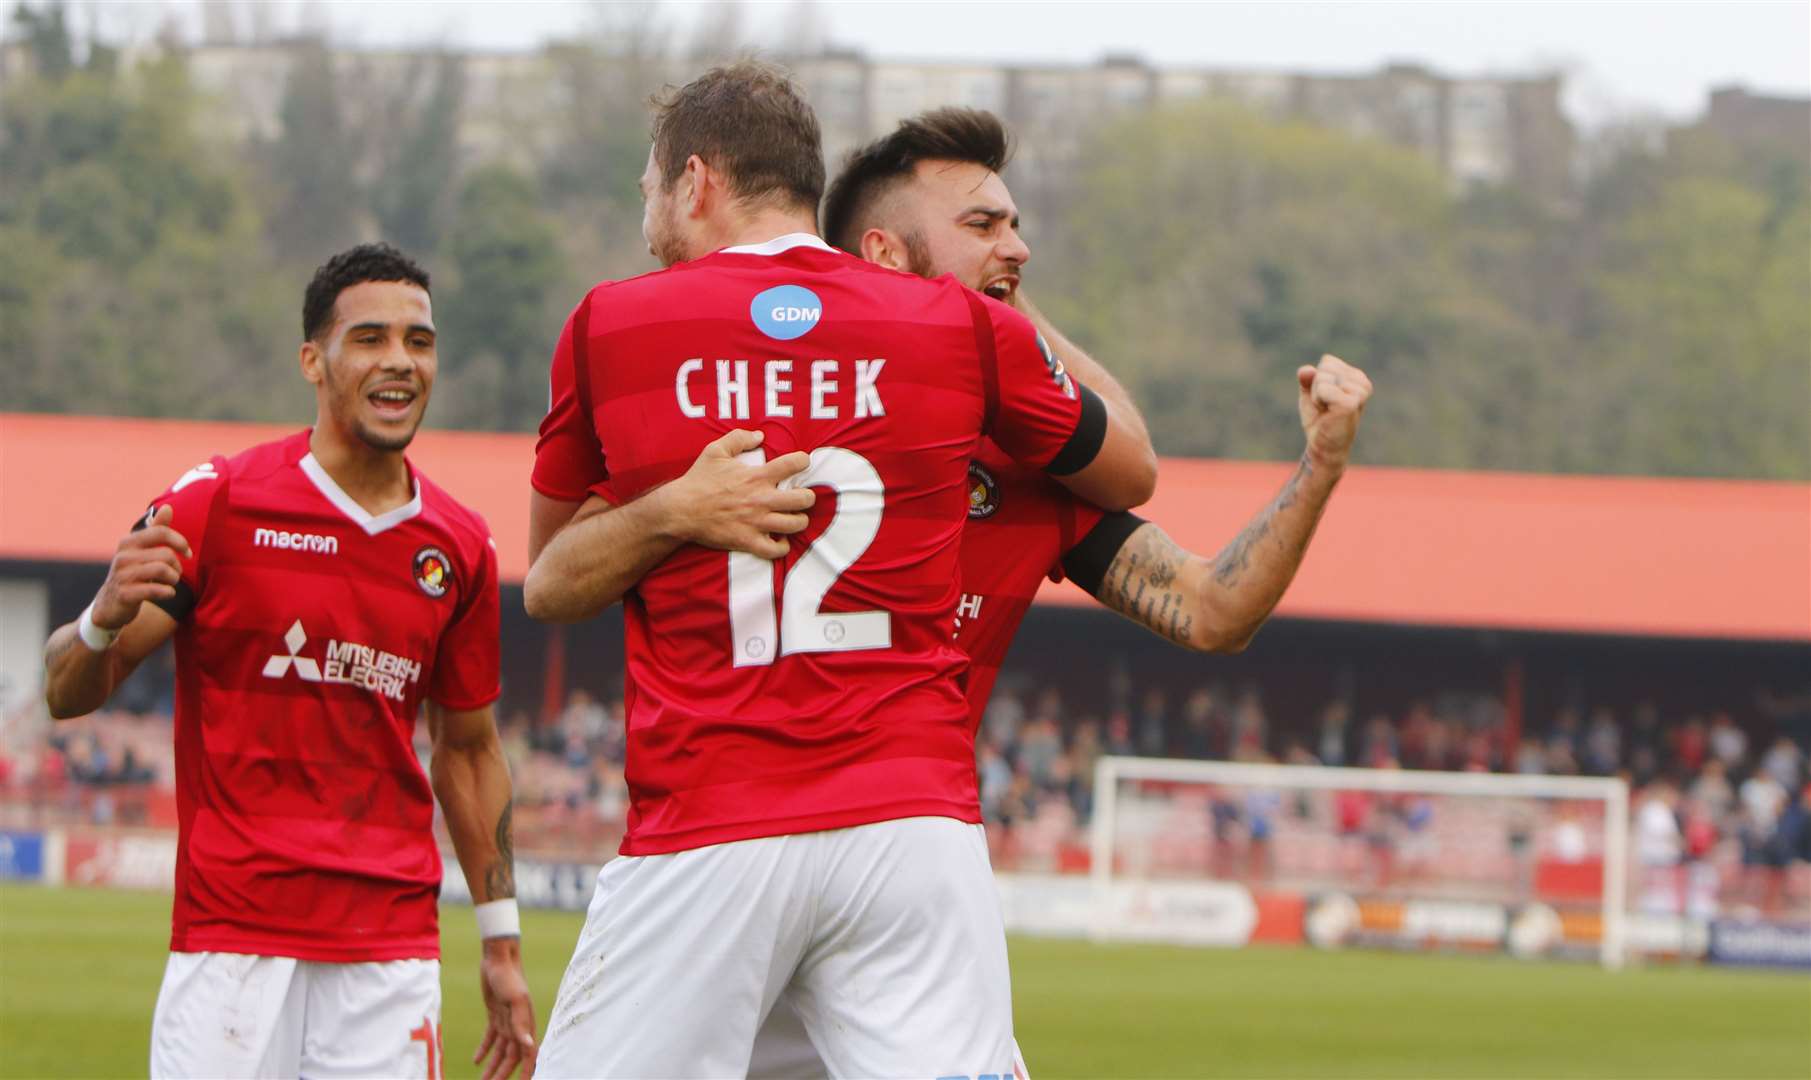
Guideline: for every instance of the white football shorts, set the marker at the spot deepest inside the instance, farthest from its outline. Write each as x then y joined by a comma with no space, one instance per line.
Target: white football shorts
229,1014
883,941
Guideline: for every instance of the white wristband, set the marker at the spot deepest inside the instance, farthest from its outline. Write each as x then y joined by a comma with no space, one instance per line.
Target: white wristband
499,918
93,636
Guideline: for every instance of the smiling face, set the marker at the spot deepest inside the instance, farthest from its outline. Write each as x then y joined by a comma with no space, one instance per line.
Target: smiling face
958,218
374,365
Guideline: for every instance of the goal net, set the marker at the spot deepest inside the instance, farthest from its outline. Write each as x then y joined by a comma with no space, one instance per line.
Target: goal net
1220,852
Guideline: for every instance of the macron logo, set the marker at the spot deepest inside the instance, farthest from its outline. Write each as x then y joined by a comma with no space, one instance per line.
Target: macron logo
306,669
296,541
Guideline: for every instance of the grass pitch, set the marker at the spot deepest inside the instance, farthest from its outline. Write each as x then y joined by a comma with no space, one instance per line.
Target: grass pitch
79,971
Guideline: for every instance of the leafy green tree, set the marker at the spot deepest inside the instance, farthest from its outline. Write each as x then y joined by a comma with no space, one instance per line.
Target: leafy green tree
412,193
47,38
499,321
1707,343
310,166
1206,252
131,276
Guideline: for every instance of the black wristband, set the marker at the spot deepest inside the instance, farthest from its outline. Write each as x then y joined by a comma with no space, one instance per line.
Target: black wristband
1085,442
1086,563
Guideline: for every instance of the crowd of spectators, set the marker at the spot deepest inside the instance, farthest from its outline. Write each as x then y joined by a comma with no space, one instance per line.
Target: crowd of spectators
1708,789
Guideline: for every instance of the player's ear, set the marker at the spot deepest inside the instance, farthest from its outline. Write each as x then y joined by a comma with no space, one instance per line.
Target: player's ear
696,181
881,247
312,360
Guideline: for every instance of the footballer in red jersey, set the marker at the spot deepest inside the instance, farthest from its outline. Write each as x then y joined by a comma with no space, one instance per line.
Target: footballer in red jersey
321,592
804,816
928,199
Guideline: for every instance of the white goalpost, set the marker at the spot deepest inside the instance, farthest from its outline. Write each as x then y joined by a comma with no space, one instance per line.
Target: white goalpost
1469,841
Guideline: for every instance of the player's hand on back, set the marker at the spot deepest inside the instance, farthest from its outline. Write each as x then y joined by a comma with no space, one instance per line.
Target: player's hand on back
146,566
509,1013
1332,397
732,504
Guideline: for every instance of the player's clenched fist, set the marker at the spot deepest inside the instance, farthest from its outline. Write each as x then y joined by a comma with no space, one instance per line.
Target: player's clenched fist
1332,398
147,566
730,499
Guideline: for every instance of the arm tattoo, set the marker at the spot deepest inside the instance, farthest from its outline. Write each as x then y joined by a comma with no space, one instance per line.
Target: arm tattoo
1141,584
500,877
1232,562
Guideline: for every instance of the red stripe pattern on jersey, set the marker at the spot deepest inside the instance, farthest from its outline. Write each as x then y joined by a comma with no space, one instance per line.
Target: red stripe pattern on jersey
819,691
314,635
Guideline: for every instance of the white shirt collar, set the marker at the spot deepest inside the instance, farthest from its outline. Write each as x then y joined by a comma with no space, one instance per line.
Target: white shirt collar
779,244
371,523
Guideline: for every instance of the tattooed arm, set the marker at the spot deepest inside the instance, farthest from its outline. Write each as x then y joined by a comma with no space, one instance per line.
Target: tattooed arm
1218,604
471,780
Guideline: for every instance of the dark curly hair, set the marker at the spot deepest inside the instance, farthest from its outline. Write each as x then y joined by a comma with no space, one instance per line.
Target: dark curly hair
973,136
354,266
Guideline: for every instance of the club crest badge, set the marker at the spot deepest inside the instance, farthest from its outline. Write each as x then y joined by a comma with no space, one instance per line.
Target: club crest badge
433,571
983,492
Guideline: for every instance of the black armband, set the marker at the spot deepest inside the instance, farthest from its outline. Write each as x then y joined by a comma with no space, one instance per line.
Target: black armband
1086,563
177,607
1085,442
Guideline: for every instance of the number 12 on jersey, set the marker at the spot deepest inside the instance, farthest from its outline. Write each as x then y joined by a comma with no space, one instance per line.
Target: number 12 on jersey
759,634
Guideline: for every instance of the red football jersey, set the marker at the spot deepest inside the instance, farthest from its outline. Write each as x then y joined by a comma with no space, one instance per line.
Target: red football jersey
819,691
311,631
1020,525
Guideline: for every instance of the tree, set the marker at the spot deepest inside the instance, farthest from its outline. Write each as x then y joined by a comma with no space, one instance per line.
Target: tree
412,192
1206,252
499,321
310,166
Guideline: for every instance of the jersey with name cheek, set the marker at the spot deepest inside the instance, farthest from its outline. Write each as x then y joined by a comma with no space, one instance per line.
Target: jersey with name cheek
821,690
310,633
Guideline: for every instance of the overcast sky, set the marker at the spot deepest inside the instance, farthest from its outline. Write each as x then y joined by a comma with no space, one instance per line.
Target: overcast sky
1621,57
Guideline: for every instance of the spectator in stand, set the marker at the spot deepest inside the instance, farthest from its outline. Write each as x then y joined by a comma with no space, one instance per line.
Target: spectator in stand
582,723
1713,792
1795,828
1438,748
1643,742
995,777
1040,745
1332,742
1658,847
1198,725
1603,743
1763,804
1414,737
1728,743
1153,723
1004,717
1119,734
1249,726
1565,740
1380,741
1691,745
1530,758
1084,751
1785,762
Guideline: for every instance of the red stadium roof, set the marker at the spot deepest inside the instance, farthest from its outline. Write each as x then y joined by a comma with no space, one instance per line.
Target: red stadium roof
1680,558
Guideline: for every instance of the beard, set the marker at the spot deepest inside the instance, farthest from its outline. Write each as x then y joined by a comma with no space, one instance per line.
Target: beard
347,414
378,440
918,254
663,238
